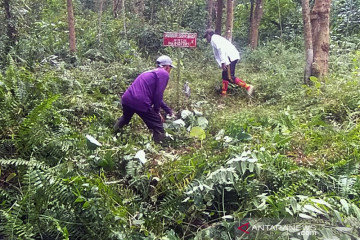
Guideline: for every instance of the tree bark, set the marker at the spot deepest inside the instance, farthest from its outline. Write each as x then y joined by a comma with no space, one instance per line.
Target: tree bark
309,53
255,23
219,11
116,8
229,19
320,21
11,29
123,13
101,6
71,24
210,5
251,18
139,7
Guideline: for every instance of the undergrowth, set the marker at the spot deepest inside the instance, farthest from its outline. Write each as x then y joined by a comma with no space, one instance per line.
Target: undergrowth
291,152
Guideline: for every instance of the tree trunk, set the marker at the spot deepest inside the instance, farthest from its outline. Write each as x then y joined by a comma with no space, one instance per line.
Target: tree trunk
320,21
101,5
219,11
11,29
229,19
139,6
123,15
251,18
255,23
71,24
309,53
210,5
116,8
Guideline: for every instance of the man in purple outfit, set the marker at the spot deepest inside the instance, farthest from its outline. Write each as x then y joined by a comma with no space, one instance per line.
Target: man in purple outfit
145,98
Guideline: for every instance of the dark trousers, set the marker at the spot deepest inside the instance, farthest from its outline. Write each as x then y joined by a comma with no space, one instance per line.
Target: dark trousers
150,117
229,74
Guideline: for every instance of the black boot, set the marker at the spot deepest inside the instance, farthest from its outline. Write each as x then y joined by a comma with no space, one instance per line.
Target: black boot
118,125
158,136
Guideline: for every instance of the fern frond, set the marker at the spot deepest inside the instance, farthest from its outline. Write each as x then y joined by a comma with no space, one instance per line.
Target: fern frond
21,162
13,226
38,111
32,129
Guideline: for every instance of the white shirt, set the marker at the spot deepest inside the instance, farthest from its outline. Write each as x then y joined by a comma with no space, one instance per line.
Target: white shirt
223,50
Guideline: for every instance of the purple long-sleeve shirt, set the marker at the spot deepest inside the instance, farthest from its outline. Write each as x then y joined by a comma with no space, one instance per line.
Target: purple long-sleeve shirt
147,91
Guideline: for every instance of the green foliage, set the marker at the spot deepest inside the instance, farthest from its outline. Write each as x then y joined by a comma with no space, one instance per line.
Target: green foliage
289,152
346,21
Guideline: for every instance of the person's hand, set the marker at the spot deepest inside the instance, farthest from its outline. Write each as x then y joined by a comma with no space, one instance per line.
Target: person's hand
223,66
162,118
171,116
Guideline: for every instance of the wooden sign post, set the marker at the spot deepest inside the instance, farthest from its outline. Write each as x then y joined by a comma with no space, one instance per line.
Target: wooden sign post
179,40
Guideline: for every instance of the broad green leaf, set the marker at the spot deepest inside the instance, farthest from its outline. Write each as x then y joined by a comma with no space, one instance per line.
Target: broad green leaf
243,136
186,199
345,205
179,123
251,167
302,215
197,113
243,167
328,234
86,204
138,222
185,114
11,176
289,211
198,132
356,210
312,208
202,122
337,215
313,78
302,197
320,201
66,233
258,169
79,199
220,134
262,205
294,204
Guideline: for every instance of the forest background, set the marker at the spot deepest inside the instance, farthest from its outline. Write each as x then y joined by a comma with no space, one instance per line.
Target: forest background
287,155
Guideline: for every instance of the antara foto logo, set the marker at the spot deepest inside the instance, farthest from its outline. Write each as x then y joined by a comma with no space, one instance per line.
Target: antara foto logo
244,228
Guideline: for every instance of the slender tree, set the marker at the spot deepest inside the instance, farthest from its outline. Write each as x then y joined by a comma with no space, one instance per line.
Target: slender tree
210,7
320,22
316,35
101,6
139,7
309,53
219,12
11,29
123,13
116,8
71,24
229,19
255,19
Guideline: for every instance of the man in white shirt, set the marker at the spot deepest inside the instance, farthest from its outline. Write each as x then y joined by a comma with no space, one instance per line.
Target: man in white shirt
226,56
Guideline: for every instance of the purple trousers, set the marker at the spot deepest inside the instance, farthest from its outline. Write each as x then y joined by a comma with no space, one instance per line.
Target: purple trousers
150,117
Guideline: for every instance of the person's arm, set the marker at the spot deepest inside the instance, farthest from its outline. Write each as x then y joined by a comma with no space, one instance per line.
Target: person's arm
219,49
162,81
166,108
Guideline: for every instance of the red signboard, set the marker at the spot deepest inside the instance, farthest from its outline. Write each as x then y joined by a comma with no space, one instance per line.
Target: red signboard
179,39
